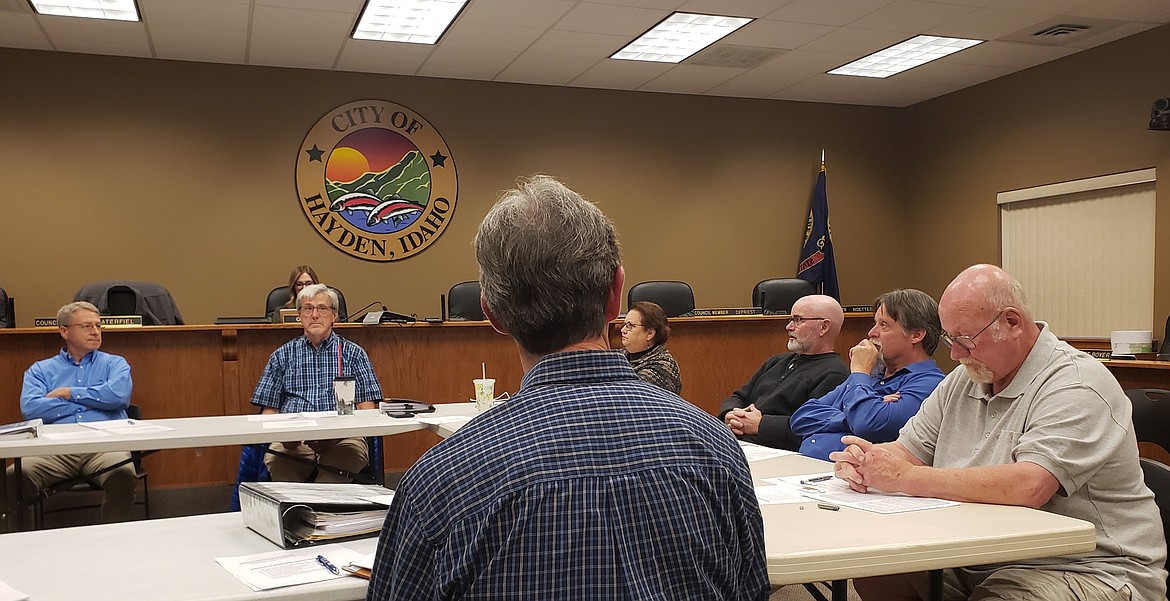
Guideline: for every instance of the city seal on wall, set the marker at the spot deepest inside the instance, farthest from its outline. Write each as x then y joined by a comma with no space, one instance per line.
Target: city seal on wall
376,180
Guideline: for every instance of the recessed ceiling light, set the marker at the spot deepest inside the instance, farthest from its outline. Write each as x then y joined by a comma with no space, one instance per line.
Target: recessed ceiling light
117,10
412,21
678,36
907,55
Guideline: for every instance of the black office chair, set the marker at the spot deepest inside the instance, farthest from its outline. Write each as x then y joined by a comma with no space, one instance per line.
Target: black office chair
279,296
82,484
463,302
777,295
131,297
1151,415
675,298
7,310
1157,478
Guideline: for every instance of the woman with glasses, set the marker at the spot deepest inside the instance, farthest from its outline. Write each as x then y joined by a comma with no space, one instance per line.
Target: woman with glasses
644,335
301,276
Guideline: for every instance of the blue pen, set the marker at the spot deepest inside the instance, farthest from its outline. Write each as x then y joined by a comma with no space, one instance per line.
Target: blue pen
329,566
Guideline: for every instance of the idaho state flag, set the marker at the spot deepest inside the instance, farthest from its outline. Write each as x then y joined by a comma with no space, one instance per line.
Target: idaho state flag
817,265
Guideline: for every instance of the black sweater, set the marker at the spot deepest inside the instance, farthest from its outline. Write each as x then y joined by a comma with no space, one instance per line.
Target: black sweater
781,385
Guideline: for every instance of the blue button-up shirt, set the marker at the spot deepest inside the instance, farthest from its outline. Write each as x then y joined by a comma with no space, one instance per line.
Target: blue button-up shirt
588,484
299,377
99,388
856,407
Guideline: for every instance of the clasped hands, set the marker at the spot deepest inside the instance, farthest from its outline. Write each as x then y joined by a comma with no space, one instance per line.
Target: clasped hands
865,465
744,421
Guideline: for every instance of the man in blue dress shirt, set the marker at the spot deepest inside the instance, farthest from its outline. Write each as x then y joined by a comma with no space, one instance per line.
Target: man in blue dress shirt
299,377
892,373
589,483
80,384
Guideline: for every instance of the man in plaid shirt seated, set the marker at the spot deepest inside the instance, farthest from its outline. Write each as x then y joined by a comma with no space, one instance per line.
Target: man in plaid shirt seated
589,483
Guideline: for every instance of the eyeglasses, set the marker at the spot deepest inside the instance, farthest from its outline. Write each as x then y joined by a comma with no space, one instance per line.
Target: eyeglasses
967,343
626,327
88,327
310,309
797,319
302,284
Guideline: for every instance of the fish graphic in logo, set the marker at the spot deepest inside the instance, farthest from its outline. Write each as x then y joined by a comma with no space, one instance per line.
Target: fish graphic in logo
377,181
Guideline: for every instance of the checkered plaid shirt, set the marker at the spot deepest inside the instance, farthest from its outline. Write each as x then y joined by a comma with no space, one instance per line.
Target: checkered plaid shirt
299,377
588,484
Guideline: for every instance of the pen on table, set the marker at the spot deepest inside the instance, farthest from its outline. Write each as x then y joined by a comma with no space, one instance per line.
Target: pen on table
329,566
828,507
817,479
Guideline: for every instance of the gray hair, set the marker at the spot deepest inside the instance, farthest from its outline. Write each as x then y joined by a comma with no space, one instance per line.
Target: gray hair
309,292
65,314
913,310
547,259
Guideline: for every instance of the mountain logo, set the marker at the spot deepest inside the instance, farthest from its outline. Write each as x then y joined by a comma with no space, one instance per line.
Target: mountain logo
376,180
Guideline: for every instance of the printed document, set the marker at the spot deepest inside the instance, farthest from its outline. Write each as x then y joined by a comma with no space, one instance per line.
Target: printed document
287,568
836,491
755,452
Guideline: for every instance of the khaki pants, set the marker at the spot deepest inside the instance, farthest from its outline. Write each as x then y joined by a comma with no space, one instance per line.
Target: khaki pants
39,473
1036,584
349,454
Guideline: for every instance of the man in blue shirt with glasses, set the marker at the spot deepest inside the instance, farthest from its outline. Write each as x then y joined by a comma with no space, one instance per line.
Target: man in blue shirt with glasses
80,384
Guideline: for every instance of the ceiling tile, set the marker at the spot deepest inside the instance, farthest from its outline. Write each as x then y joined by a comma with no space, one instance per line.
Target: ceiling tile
295,22
519,13
466,63
71,34
664,5
944,72
731,8
207,14
1008,54
383,57
532,67
1116,33
200,44
21,31
910,16
768,33
855,42
496,37
690,79
1055,7
308,52
990,23
620,75
346,6
837,12
590,17
822,86
574,43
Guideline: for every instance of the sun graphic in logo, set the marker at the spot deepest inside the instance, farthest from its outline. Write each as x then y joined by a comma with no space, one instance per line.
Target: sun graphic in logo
376,180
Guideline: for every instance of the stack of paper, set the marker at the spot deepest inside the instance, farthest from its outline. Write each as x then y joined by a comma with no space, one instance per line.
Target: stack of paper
314,525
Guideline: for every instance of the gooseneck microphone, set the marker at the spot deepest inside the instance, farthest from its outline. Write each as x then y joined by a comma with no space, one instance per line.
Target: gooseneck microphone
361,313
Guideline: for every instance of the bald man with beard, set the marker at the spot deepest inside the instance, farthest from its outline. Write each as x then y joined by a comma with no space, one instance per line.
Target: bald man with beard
759,411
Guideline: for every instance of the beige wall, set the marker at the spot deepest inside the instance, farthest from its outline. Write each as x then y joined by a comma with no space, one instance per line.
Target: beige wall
1082,116
182,173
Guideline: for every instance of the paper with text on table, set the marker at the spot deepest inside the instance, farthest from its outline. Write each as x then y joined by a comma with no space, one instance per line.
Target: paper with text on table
837,491
277,569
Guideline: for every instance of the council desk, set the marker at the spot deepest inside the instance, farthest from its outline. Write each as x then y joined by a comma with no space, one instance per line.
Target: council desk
187,371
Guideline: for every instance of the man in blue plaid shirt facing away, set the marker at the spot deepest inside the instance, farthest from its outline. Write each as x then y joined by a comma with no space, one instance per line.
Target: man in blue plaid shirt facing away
589,483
